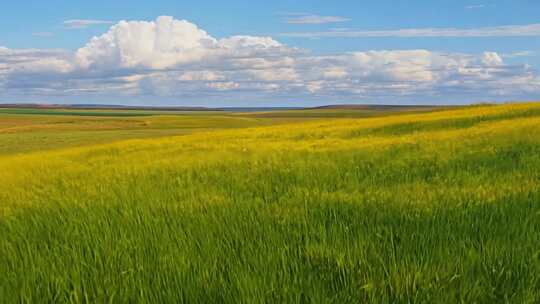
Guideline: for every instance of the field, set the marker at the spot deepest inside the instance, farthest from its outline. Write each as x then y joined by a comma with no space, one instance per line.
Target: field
312,206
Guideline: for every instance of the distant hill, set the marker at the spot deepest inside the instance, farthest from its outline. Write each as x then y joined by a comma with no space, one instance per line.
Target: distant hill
102,107
351,107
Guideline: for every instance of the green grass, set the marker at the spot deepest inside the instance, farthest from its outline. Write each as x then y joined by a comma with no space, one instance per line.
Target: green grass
444,210
445,123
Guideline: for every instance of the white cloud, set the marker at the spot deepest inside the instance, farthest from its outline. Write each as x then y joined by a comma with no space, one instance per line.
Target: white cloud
315,19
334,72
201,76
519,54
158,44
176,59
35,61
164,43
491,59
223,86
475,6
274,74
528,30
411,65
248,42
84,23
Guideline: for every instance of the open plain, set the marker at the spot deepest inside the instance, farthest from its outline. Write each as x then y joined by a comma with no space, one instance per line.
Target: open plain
325,205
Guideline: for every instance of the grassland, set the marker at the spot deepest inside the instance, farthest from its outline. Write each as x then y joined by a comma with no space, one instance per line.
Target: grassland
438,207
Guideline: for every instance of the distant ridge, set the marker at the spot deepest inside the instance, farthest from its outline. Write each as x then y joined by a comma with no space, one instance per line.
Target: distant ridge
151,108
102,107
371,107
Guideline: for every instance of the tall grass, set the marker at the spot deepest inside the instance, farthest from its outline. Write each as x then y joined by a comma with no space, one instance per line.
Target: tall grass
435,208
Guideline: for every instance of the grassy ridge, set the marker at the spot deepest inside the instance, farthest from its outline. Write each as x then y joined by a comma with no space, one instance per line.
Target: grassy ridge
437,207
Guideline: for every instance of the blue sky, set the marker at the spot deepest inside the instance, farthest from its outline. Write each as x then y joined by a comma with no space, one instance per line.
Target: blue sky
320,52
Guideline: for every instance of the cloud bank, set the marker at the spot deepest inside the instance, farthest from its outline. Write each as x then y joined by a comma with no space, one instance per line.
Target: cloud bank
528,30
169,59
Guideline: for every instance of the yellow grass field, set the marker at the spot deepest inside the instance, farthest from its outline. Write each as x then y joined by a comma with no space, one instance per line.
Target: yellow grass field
323,206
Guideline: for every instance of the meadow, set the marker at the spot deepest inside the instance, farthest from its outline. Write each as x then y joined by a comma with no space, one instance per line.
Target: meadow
311,206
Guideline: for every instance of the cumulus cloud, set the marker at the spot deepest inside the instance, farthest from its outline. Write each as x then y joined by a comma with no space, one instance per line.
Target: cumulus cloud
491,59
176,59
164,43
158,44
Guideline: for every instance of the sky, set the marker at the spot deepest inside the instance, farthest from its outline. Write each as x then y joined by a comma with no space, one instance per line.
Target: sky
272,53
